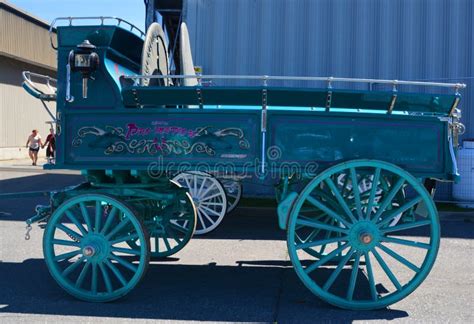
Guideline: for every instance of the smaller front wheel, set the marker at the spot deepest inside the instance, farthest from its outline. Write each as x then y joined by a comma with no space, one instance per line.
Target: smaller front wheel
209,198
85,247
171,227
233,190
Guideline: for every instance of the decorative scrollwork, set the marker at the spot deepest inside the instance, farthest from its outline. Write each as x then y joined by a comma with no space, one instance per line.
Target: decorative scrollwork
87,130
274,153
244,144
116,140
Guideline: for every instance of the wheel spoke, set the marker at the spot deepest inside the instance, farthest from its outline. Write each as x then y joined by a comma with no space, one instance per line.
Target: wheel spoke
208,189
116,272
370,275
98,215
315,224
178,228
201,220
167,243
399,258
341,200
66,256
195,178
393,191
171,233
82,275
105,275
328,211
123,262
201,186
109,220
94,278
387,270
394,213
405,226
211,204
126,251
338,270
306,245
353,280
73,219
211,197
85,215
66,243
326,258
373,191
355,190
157,244
406,242
209,211
188,185
316,231
73,266
69,231
118,228
344,185
128,237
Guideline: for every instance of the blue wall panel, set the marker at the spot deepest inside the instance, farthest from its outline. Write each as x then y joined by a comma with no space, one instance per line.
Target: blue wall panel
390,39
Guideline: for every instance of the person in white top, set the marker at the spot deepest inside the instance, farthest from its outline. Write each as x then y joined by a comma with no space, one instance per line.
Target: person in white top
34,144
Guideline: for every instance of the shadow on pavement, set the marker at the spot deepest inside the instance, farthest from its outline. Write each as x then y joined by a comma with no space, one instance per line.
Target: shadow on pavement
20,209
183,292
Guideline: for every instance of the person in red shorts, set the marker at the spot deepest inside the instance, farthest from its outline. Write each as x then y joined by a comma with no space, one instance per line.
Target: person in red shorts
50,146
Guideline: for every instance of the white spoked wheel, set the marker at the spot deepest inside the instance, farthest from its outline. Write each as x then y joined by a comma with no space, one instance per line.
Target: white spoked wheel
365,186
233,190
209,197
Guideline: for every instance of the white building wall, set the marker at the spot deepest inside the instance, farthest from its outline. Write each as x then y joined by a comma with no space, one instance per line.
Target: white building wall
19,111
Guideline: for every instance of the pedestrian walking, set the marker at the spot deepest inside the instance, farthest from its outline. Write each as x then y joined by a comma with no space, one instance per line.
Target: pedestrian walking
50,146
34,144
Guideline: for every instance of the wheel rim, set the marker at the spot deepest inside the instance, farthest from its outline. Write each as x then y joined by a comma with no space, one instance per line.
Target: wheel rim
209,199
368,265
233,191
85,248
171,228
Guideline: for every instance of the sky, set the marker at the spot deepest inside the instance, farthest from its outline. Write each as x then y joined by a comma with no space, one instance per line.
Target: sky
130,10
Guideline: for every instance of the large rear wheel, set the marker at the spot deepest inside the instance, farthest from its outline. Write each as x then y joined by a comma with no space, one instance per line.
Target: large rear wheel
369,261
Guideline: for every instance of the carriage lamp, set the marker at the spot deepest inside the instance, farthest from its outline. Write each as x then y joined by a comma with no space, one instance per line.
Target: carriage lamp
85,60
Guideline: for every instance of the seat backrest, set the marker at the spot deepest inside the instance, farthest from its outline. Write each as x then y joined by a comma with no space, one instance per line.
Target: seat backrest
155,56
187,65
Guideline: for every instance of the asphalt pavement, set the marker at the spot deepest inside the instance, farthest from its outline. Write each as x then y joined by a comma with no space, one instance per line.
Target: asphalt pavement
239,273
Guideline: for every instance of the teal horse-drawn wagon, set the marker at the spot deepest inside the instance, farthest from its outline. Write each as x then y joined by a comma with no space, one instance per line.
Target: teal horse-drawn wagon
348,165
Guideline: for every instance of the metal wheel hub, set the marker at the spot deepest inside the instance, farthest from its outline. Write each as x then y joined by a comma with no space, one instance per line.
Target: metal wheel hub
364,236
196,201
89,251
95,247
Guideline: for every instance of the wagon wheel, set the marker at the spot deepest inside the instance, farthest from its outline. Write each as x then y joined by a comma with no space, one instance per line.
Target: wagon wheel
233,190
208,196
85,251
343,183
377,268
172,227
